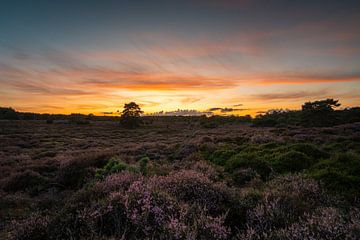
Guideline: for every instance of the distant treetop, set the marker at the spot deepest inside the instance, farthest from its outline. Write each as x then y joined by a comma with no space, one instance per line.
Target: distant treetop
321,105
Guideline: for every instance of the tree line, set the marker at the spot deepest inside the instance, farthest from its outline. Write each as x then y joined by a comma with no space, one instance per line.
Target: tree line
320,113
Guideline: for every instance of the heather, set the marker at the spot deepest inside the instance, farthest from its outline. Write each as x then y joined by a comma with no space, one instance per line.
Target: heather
178,178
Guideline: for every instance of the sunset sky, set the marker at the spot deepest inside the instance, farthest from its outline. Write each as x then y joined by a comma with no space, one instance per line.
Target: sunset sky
245,56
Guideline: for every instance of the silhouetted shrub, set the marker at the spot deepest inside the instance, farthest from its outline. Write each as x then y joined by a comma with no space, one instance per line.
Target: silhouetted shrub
8,113
79,119
50,121
209,124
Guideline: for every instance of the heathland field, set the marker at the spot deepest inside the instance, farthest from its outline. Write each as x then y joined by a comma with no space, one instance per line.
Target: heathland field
177,178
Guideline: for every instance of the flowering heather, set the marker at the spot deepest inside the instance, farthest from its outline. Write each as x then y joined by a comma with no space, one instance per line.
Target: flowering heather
285,200
119,181
325,223
34,226
194,187
236,182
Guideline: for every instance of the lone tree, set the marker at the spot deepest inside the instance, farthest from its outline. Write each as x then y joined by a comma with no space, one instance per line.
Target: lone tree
130,117
320,113
321,105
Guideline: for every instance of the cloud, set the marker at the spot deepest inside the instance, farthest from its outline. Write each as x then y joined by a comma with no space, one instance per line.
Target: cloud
238,105
305,78
214,109
289,95
227,110
181,112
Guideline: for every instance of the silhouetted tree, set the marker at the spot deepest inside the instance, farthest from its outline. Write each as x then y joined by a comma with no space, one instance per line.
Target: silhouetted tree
8,113
130,117
320,113
321,105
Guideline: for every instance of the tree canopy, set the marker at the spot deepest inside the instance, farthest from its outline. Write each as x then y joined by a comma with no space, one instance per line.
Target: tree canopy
130,116
321,105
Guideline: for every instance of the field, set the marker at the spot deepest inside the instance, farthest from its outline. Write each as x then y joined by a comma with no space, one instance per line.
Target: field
176,179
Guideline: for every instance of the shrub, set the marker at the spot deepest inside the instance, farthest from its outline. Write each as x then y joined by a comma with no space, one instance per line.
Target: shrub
27,180
325,223
243,176
284,201
78,119
340,174
310,150
118,181
75,170
114,165
249,160
34,227
193,187
221,156
209,124
292,161
143,164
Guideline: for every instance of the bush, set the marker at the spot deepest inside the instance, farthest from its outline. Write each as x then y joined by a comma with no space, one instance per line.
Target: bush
49,121
78,119
34,227
221,156
243,176
132,206
75,170
285,200
310,150
325,223
340,173
27,180
143,164
292,161
114,165
249,160
195,188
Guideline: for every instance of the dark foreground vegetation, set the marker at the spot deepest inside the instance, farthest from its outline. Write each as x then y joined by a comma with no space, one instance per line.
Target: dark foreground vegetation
178,178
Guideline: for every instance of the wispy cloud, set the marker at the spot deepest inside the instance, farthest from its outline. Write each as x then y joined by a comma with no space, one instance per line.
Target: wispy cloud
289,95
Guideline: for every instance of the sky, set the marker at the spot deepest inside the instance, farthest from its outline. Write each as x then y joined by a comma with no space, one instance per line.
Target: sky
223,56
